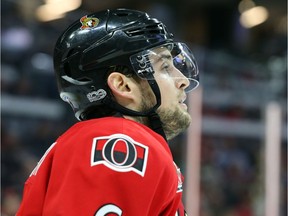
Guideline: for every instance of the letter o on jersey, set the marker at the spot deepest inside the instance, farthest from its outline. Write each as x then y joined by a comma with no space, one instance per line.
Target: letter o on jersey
109,209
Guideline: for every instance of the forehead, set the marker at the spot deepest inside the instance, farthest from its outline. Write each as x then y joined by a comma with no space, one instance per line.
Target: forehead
159,53
160,50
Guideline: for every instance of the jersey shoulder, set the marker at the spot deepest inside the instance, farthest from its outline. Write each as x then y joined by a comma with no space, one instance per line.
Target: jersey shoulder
116,135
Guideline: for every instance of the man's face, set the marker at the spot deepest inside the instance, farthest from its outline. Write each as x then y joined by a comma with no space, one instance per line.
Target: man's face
172,83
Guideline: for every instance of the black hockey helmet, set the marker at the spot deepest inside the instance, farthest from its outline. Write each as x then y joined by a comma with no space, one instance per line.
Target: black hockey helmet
101,42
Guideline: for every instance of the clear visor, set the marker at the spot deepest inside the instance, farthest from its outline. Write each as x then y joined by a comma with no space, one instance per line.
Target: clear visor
171,59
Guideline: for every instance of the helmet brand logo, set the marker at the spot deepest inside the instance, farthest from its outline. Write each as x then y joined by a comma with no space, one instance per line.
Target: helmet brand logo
96,95
88,22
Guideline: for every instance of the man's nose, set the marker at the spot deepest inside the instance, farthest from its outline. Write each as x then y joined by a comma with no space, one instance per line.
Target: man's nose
181,80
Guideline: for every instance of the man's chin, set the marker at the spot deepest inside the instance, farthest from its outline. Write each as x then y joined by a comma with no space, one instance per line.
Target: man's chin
175,123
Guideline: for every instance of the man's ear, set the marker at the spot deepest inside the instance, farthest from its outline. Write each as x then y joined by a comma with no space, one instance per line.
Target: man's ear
121,86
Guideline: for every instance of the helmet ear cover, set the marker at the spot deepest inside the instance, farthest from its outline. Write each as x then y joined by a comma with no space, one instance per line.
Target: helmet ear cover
104,110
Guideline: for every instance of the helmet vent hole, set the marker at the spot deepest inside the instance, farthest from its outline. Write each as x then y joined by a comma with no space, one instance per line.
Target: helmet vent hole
67,69
84,79
122,14
147,30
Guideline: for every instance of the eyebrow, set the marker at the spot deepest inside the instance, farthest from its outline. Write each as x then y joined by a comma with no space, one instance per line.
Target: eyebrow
163,56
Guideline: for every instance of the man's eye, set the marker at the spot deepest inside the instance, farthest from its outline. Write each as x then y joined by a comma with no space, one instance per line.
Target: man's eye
166,67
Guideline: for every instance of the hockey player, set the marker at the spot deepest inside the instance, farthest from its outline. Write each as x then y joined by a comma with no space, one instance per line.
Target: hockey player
126,80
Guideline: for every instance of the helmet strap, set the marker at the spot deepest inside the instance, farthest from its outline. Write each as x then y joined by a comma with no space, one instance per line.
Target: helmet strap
154,119
156,124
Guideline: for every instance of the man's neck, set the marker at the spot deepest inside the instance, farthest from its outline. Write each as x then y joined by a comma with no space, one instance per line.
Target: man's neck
139,119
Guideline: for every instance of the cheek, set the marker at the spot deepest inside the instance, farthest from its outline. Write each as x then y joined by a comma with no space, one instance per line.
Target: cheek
168,94
147,94
165,82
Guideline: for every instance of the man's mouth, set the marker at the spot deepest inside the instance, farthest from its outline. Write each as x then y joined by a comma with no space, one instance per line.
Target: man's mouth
182,102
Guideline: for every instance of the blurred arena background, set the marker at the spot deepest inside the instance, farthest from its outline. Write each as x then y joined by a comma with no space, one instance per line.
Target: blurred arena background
241,48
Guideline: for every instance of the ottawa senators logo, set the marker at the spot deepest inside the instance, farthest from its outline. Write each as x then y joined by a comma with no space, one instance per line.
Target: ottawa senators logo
89,22
120,153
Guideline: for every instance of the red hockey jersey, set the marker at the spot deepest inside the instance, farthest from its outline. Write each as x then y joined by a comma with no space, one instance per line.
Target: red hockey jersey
108,166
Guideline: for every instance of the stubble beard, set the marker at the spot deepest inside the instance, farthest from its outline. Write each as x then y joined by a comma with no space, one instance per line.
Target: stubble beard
174,121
